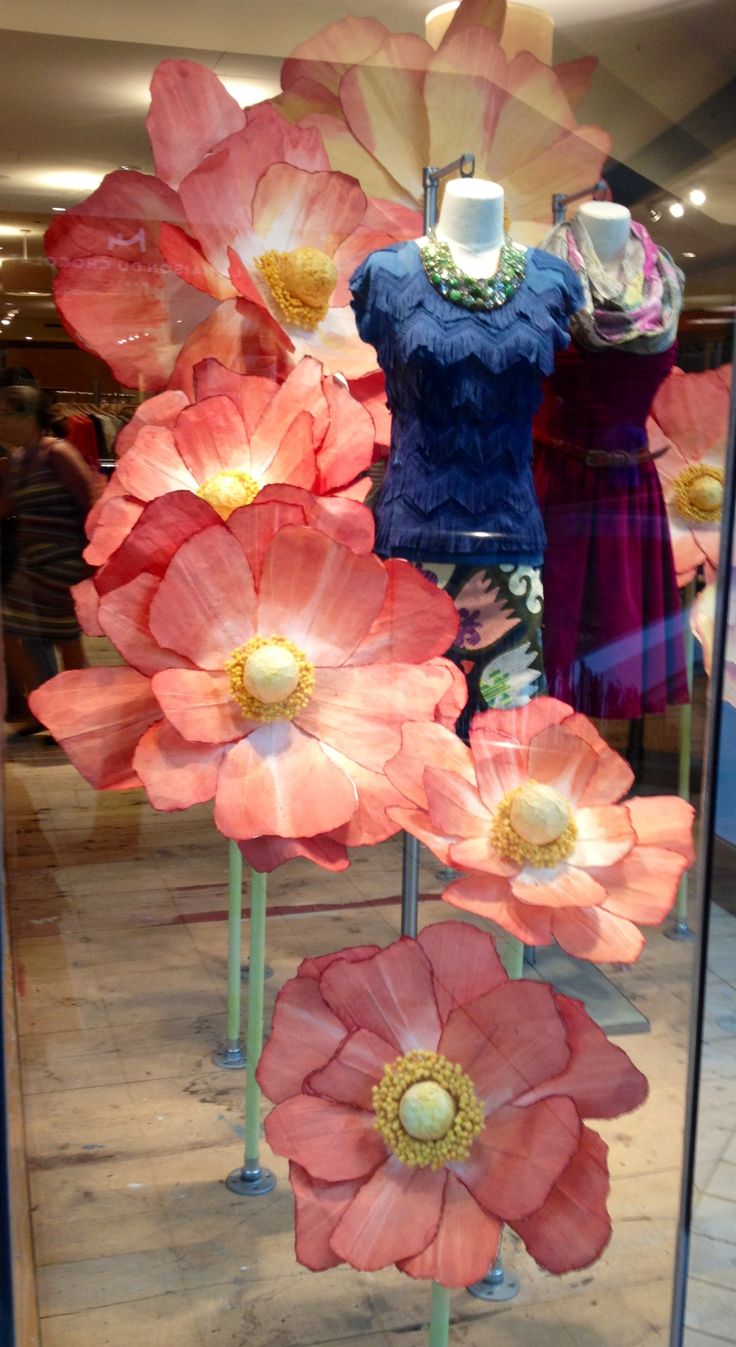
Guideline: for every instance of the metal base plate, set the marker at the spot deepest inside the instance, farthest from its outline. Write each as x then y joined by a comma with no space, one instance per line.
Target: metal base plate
230,1059
494,1288
240,1181
680,931
245,972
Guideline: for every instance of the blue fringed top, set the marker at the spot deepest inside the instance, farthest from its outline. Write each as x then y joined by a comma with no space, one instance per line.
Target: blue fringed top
462,387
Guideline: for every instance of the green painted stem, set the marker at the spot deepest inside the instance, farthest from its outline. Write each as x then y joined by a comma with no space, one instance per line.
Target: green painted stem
439,1324
234,930
686,735
254,1041
513,957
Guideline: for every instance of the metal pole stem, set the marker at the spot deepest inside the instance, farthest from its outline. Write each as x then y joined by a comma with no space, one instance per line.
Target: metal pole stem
409,886
231,1056
252,1180
680,930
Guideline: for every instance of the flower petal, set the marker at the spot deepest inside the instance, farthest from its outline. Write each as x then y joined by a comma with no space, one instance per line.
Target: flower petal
416,622
318,1208
371,822
206,603
98,716
477,853
153,466
86,606
455,806
385,92
267,853
210,437
427,745
563,887
163,526
395,1215
664,821
490,896
416,822
113,522
304,1035
390,994
605,835
191,112
347,447
643,886
508,1040
330,1141
351,1074
572,1228
465,1245
296,209
599,1077
124,617
319,595
464,962
200,706
562,759
613,777
520,1155
280,781
360,712
176,774
592,933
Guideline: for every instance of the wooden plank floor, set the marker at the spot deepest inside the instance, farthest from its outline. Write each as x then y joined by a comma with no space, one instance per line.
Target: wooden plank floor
119,944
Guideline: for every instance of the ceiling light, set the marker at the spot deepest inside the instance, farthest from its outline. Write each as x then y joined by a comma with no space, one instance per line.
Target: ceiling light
10,231
29,338
688,254
58,208
677,209
697,196
5,322
654,214
72,179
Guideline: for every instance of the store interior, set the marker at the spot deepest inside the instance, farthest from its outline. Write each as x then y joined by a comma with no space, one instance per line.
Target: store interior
121,1130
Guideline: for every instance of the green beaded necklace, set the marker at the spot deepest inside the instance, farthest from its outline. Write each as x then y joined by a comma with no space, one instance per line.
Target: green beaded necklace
471,292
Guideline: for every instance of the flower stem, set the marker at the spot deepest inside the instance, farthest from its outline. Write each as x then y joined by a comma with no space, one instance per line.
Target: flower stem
234,929
513,957
686,736
439,1324
254,1041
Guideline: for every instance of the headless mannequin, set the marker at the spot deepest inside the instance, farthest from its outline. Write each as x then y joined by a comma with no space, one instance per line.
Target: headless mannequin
609,230
471,224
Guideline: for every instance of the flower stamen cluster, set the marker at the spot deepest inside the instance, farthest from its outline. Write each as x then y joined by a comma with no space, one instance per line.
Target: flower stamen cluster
698,492
301,282
227,491
534,825
452,1100
270,678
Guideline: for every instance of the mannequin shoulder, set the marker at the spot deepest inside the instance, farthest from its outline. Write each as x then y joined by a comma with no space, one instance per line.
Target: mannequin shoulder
396,259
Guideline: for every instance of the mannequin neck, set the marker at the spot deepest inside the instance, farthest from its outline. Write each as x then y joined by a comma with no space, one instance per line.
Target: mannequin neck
609,229
471,223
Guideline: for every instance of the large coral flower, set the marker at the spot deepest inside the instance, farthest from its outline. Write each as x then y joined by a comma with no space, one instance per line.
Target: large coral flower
424,1100
238,435
530,811
690,419
356,82
270,665
240,246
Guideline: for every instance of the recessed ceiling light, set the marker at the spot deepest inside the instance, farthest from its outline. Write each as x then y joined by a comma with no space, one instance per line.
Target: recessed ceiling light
72,179
697,196
10,231
688,254
59,208
29,338
677,209
5,322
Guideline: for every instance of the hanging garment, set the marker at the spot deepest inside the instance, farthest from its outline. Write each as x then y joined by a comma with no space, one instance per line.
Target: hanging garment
462,387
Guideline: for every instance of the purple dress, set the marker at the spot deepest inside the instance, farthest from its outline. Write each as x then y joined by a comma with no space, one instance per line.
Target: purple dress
613,642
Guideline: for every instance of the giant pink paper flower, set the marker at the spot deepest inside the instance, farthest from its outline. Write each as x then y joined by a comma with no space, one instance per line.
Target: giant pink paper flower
690,417
357,82
530,811
423,1100
702,621
239,248
270,665
239,434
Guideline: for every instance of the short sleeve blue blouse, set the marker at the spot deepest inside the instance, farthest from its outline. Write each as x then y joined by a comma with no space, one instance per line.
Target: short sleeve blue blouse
462,388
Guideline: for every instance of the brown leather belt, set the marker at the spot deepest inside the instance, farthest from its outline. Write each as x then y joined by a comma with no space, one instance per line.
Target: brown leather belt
602,458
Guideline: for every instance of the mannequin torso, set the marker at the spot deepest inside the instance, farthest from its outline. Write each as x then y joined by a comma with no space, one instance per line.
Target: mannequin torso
471,224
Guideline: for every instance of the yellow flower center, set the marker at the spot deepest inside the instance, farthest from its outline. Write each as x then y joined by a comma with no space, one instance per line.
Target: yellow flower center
534,825
270,678
699,493
301,282
427,1110
227,491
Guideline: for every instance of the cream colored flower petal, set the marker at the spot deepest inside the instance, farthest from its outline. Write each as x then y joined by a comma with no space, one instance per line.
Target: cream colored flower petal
383,104
464,91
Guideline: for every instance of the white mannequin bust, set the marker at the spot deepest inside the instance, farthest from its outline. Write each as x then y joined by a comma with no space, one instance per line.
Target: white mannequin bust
471,223
609,230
